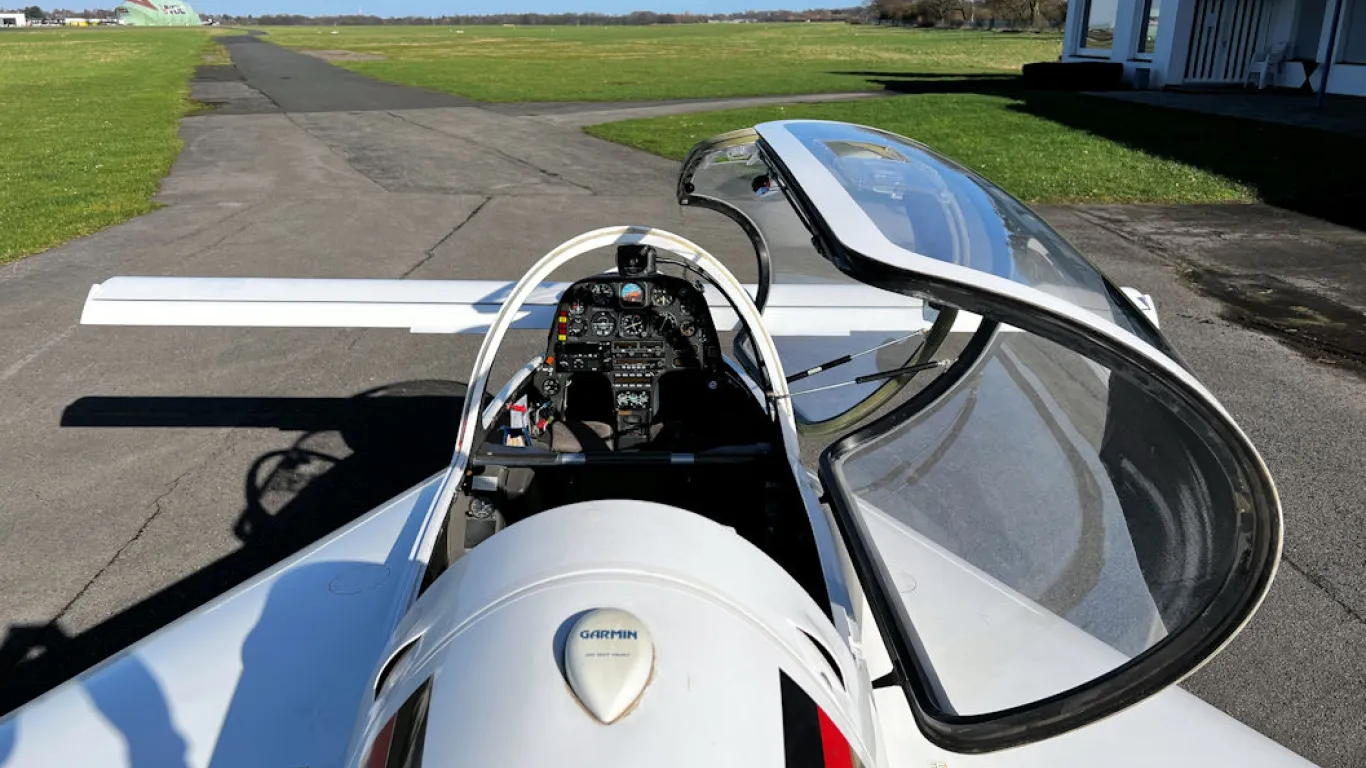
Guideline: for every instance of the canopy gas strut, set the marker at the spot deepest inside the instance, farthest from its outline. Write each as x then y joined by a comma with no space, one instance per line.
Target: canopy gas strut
837,362
880,375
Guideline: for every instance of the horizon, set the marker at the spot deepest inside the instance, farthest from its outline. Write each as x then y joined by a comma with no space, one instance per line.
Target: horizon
437,8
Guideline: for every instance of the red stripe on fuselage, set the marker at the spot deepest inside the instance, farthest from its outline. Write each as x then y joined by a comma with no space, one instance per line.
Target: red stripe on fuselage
833,744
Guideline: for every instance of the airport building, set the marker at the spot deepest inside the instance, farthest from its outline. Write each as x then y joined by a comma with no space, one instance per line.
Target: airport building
13,20
1199,43
157,13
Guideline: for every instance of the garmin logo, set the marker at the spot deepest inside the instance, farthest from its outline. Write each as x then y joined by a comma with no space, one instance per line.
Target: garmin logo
609,634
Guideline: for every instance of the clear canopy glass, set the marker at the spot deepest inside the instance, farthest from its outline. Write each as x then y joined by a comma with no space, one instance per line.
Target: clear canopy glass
1065,512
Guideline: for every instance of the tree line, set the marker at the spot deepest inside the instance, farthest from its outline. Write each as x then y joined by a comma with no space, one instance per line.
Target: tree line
1017,14
636,18
923,13
37,14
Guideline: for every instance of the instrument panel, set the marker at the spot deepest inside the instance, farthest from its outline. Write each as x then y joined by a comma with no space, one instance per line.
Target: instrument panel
632,330
658,307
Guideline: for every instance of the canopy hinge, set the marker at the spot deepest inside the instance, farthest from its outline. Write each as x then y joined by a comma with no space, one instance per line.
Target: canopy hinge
889,680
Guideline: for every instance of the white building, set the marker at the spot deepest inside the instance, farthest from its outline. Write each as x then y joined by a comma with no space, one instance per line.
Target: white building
1164,43
13,20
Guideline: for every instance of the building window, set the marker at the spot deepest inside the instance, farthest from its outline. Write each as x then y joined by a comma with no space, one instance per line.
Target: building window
1147,32
1100,24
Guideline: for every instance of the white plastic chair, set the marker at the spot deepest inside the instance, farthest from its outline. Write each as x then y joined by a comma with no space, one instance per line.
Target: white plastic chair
1266,64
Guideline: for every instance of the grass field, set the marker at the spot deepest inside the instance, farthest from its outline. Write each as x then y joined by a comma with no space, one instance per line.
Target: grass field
664,62
89,121
1062,147
89,116
968,102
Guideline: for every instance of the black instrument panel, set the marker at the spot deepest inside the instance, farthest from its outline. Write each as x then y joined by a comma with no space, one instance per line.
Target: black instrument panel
611,310
633,330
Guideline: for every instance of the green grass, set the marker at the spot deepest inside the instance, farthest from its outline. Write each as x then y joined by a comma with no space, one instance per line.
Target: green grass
1043,147
89,121
664,62
1071,148
216,54
90,116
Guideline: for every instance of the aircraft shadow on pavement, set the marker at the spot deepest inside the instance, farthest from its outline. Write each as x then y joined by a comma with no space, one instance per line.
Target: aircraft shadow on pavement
355,453
1306,170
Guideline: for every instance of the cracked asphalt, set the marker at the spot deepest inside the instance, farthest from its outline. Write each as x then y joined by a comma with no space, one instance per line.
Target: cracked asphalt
146,470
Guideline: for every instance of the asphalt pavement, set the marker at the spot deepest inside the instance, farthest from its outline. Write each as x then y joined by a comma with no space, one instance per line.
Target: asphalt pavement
147,470
1298,671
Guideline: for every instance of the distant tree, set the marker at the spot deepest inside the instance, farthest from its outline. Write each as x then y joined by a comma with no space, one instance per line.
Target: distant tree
1053,12
889,10
34,12
939,11
1030,13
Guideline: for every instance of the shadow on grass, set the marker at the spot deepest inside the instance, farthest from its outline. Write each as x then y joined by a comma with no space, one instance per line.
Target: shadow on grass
1309,171
931,75
941,82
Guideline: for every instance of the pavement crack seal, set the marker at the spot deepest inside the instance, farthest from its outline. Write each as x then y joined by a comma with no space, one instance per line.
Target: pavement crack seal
217,241
330,148
137,535
243,209
1326,588
428,254
156,504
496,151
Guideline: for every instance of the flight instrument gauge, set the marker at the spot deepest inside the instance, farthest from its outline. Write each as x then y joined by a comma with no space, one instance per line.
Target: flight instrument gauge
603,324
576,307
577,326
661,297
632,295
602,294
687,328
633,325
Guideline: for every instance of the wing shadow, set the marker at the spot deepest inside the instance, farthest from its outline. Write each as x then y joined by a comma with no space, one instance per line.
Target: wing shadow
355,453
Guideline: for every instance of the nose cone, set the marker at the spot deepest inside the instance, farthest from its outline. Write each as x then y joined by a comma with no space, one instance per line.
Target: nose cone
609,658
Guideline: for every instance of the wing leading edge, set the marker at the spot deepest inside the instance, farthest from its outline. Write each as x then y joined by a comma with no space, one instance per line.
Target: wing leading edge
460,306
443,306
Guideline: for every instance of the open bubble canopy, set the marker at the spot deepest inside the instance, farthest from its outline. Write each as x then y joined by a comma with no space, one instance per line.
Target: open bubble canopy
1066,471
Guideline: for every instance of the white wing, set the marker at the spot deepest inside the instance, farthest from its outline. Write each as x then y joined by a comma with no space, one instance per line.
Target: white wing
445,306
269,674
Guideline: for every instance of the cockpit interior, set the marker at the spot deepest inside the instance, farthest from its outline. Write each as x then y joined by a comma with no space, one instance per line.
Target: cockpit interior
632,398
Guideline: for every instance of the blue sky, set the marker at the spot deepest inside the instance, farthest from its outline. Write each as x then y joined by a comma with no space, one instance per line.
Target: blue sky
440,7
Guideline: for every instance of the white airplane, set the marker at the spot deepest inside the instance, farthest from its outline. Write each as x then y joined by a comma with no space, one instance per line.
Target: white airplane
932,492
